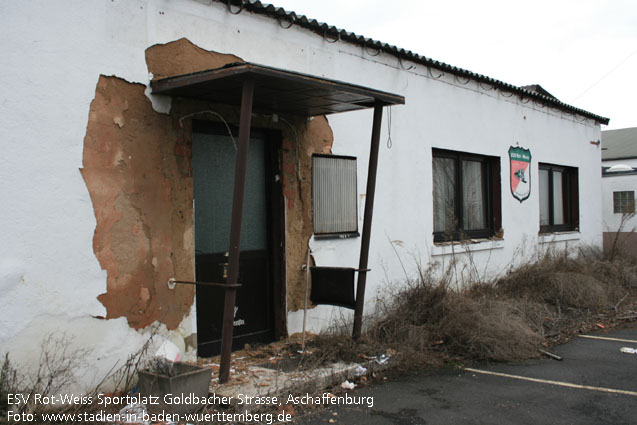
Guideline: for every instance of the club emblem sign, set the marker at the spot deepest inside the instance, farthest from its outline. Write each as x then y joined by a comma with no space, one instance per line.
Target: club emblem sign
520,162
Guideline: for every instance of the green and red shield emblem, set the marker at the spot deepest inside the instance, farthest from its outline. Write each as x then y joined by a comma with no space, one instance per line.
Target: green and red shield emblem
520,161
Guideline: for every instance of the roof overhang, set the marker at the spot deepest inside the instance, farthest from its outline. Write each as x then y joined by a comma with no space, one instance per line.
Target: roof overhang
275,90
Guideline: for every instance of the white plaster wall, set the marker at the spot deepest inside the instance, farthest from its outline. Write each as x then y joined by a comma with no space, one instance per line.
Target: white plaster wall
617,183
49,276
463,118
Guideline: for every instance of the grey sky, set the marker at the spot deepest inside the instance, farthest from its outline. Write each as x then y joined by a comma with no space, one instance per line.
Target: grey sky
582,51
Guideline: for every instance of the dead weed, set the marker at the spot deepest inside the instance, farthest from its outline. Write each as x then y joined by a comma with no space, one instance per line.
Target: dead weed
427,321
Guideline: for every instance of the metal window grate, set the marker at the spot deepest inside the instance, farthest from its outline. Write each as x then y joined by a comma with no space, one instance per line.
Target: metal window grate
334,194
624,202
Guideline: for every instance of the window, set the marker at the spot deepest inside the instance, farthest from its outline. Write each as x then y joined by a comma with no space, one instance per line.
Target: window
559,199
624,202
334,194
466,195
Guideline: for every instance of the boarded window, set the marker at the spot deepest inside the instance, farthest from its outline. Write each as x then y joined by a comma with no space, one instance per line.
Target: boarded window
334,195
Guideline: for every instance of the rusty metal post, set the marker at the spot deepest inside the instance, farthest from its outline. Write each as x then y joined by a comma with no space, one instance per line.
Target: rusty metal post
367,220
235,229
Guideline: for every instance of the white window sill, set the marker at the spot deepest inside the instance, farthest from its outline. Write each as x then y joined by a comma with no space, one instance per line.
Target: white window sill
466,246
559,237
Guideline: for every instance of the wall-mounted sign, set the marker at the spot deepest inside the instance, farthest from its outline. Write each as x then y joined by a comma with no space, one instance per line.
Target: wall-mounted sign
520,162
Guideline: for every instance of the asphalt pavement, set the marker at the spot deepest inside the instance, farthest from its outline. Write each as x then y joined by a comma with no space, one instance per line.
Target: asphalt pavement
595,384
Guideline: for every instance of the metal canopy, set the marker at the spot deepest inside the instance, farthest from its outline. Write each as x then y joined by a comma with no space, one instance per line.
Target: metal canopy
275,90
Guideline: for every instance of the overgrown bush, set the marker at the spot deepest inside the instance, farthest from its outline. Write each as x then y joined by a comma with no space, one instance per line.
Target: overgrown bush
504,319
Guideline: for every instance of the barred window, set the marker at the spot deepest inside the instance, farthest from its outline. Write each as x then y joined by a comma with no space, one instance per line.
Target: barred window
624,202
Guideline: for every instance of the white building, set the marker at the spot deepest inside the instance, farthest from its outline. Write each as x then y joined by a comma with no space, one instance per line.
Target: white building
99,174
619,183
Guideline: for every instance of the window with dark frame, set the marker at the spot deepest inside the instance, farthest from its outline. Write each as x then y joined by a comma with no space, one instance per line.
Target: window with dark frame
624,202
559,198
466,195
334,196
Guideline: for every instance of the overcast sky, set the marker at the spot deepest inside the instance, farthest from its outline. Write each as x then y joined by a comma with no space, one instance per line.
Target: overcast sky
584,52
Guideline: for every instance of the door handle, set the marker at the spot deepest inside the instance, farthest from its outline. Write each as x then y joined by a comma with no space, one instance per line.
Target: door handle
225,265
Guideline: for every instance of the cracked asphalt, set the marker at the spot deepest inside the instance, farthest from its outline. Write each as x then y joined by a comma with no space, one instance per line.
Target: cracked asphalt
594,384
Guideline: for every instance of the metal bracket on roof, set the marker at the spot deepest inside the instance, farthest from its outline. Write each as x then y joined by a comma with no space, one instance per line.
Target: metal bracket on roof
502,92
455,76
290,19
331,40
400,62
489,88
366,48
432,75
241,6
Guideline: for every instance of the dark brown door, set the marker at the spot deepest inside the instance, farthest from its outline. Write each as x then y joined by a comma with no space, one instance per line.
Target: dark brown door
213,159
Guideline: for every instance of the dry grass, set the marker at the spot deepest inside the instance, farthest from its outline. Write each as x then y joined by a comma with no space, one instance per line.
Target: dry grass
427,321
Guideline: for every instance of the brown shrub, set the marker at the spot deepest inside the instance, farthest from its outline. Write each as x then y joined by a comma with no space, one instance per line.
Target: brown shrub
502,320
585,282
466,324
487,329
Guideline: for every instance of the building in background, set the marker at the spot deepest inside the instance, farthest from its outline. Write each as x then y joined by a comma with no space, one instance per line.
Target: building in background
619,184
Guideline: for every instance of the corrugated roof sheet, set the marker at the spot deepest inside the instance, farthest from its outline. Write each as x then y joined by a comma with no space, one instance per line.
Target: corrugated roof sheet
538,88
287,19
619,144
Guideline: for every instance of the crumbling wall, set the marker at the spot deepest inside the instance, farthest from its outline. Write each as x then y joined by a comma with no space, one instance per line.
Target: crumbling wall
316,137
182,57
143,206
137,168
301,138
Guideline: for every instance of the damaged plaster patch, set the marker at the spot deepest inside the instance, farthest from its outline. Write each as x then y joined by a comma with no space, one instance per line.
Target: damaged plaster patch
309,136
142,204
183,57
177,58
138,170
316,137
